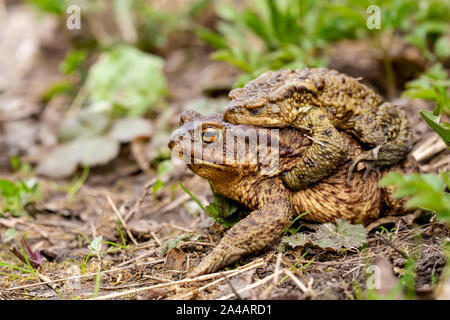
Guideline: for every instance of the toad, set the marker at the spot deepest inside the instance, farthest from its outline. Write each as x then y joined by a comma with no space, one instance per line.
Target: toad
245,163
319,102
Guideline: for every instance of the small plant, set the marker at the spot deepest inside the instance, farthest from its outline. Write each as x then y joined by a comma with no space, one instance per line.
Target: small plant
330,236
16,196
386,232
76,184
269,35
172,243
433,85
94,247
290,229
131,80
304,266
225,211
425,191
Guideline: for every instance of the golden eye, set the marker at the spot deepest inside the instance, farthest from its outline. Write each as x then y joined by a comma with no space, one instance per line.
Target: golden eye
209,135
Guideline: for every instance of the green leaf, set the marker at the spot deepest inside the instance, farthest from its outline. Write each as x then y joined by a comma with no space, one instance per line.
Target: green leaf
424,191
50,6
94,245
172,243
15,163
443,129
165,167
297,240
442,47
331,236
128,77
73,61
212,38
15,196
9,235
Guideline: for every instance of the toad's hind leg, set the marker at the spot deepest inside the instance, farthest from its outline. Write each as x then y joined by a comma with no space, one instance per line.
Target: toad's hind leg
249,235
323,157
390,134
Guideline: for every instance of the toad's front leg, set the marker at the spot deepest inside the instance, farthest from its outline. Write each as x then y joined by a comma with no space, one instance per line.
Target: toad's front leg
327,151
249,235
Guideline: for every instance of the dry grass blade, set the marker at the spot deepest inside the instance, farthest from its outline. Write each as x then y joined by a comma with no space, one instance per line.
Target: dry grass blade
233,289
249,287
429,148
247,267
276,273
119,216
296,281
390,244
192,293
81,276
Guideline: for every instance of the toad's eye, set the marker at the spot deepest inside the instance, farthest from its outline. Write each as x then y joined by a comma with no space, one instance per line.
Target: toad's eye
209,135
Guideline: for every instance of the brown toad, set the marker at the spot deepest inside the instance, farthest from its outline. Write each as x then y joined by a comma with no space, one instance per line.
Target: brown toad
318,102
210,147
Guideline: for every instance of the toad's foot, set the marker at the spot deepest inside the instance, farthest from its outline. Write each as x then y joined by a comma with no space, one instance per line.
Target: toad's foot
370,159
251,234
217,259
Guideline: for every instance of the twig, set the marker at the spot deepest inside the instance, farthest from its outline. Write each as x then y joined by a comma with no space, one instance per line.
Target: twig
78,101
157,278
83,276
296,280
429,148
188,295
390,244
309,289
47,280
113,206
173,226
187,280
156,238
231,286
266,293
146,254
408,219
139,203
175,203
252,286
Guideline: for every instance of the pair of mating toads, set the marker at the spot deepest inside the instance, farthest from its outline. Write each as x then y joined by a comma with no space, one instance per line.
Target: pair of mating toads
330,126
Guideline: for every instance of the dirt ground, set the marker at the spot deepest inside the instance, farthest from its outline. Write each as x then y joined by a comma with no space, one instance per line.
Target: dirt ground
60,224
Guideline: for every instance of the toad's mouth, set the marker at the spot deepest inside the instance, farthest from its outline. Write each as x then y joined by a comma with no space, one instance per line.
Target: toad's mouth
191,160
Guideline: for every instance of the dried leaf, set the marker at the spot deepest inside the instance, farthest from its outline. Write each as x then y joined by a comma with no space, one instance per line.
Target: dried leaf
92,151
175,259
127,129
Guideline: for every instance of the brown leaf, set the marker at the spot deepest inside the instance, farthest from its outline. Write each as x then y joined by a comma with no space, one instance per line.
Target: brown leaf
139,148
175,259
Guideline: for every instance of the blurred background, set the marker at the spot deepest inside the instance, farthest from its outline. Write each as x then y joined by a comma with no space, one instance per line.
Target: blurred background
90,92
